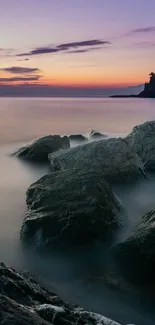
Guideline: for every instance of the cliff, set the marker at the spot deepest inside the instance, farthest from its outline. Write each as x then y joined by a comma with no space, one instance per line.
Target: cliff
149,89
148,92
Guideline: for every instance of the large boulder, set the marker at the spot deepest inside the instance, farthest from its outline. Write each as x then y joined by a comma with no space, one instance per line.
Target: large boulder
23,302
38,150
142,141
70,206
78,138
112,158
137,253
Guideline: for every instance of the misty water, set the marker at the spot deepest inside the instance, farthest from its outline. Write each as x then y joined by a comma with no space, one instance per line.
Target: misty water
75,274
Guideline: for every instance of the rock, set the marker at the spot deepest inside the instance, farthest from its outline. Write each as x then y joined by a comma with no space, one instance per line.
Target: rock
73,206
112,158
36,306
51,312
77,138
137,253
12,313
38,151
96,135
142,141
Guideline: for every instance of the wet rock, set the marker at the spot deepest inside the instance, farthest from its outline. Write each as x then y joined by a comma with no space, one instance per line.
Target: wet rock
112,158
38,151
72,205
137,253
95,135
77,138
142,141
38,307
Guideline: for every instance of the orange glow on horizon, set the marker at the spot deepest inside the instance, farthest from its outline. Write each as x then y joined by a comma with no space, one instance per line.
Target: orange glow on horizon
87,80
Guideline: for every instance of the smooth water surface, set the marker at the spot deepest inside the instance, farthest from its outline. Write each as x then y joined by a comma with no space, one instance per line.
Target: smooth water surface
75,274
25,119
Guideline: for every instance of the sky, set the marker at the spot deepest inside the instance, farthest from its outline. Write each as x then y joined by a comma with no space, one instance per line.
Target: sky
76,43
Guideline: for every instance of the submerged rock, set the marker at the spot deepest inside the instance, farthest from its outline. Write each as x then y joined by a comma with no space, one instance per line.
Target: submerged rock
137,253
37,306
73,206
39,150
112,158
96,135
77,138
142,141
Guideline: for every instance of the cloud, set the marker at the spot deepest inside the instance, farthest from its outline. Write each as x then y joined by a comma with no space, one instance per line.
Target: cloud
23,60
20,70
18,79
66,47
143,44
143,30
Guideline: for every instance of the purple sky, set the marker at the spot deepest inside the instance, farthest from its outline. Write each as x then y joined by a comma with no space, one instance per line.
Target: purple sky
54,39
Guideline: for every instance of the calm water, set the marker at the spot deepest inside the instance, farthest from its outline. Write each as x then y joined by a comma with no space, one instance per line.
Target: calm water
24,119
70,273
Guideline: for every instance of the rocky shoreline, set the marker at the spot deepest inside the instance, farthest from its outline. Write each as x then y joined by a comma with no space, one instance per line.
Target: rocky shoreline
75,204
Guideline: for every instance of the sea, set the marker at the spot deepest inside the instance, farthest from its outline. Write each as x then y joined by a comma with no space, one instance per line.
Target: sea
75,274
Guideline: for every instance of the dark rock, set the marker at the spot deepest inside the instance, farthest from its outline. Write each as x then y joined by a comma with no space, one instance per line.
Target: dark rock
12,313
77,138
137,253
38,307
38,151
142,141
149,89
96,135
113,158
72,205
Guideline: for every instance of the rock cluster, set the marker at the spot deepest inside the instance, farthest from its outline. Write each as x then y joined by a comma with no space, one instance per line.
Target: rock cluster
75,203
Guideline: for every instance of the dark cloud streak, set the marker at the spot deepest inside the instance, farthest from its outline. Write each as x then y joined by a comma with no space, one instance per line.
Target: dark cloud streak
66,47
20,70
18,79
81,44
24,60
143,30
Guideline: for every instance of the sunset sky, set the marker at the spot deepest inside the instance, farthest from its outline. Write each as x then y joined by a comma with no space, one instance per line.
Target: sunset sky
106,43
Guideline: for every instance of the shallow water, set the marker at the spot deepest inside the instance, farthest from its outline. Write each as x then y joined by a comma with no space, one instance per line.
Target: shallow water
75,275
